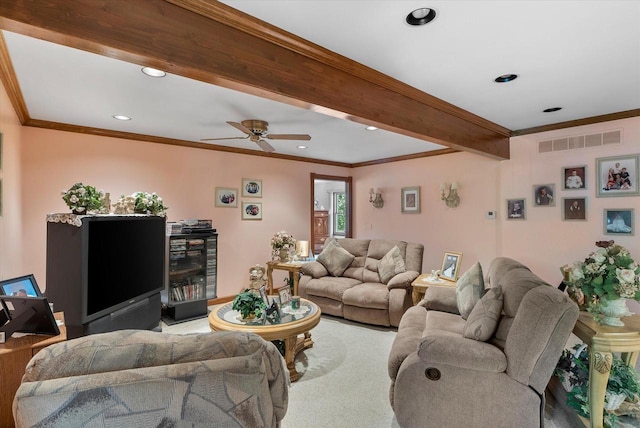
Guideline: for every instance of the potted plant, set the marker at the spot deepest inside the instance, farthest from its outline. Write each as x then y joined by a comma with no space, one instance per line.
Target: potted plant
604,281
140,203
83,198
573,372
282,244
249,303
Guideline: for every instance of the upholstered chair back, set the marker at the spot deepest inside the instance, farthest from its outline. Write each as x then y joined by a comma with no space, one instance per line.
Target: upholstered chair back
535,315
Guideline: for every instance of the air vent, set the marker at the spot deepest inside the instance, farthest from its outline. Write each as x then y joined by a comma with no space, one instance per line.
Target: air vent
580,142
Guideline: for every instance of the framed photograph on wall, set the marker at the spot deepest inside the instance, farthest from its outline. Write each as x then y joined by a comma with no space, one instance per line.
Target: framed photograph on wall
515,209
617,176
251,188
543,195
410,203
226,197
619,221
574,208
251,210
574,177
450,266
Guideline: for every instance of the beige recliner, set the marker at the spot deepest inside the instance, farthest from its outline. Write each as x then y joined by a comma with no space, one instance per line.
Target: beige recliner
134,378
439,378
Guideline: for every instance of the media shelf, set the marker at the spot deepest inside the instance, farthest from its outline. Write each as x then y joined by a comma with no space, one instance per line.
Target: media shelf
192,261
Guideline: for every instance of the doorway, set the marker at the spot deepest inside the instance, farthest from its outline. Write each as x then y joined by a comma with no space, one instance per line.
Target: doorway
331,209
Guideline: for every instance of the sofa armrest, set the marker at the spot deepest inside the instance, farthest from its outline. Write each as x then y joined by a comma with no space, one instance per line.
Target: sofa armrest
403,280
440,299
446,349
314,269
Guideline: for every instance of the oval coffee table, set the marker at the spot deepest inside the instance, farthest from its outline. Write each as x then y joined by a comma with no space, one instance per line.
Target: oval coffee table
292,324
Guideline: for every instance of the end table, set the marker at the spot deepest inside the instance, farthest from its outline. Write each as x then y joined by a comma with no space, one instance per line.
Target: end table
424,281
294,273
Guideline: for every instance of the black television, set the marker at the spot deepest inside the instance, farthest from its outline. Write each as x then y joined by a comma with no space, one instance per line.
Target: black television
21,286
125,262
28,315
107,272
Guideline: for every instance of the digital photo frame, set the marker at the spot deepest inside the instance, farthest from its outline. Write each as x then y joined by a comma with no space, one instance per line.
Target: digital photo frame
21,286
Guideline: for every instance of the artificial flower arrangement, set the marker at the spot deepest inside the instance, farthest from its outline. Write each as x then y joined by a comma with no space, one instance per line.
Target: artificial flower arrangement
282,241
609,273
140,203
83,198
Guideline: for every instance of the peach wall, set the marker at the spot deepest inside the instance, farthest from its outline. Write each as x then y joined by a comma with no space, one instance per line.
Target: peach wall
463,229
11,248
186,179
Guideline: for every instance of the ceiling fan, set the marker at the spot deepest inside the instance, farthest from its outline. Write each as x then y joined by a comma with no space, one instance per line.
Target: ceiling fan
256,130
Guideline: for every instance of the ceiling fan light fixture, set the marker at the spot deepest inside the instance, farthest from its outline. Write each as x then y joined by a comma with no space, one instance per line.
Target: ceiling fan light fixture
153,72
121,117
421,16
551,109
505,78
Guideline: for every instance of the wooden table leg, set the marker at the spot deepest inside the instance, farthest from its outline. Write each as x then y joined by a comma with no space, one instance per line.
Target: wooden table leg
269,279
599,368
292,346
630,358
295,276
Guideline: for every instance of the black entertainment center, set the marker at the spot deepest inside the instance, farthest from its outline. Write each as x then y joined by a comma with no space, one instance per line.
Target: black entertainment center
106,272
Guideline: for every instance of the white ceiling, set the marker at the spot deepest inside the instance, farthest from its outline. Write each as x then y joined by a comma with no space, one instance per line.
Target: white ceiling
583,56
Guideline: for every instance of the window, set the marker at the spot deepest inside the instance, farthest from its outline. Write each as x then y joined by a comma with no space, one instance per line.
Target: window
339,213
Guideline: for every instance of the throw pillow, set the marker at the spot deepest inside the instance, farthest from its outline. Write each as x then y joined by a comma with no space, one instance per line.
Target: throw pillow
335,258
484,317
469,290
390,265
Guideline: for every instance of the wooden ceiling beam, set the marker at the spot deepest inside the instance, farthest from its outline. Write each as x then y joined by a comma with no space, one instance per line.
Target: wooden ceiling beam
213,43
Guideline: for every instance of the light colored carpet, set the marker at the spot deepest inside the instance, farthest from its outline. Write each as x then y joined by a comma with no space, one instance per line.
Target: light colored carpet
344,379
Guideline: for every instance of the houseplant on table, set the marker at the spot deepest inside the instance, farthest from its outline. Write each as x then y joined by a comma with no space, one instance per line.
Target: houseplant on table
282,245
606,278
249,303
140,203
83,198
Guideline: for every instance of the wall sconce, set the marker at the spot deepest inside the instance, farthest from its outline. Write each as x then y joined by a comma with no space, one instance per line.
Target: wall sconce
452,199
375,197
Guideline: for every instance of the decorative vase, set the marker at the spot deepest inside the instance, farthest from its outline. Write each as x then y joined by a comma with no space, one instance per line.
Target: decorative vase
613,310
78,212
284,255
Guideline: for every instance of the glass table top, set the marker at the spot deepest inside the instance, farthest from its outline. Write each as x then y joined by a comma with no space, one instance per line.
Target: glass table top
275,316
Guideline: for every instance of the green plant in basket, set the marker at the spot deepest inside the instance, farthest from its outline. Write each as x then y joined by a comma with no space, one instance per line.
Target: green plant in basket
149,203
249,302
82,198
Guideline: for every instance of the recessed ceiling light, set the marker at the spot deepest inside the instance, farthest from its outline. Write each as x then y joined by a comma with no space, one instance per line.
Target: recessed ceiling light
371,128
153,72
421,16
505,78
301,147
551,109
121,117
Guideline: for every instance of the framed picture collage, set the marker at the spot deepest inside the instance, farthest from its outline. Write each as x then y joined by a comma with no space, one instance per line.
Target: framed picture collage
250,188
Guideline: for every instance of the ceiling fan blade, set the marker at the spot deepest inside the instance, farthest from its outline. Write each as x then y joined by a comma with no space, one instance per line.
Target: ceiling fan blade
224,138
265,146
304,137
241,127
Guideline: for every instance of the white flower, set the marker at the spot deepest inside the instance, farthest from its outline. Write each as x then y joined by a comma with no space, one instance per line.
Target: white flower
576,273
600,255
82,191
73,198
625,275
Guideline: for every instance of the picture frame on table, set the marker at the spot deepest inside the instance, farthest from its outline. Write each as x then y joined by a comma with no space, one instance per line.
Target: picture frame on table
450,266
263,295
619,221
544,195
226,197
516,209
574,209
251,188
410,200
617,176
251,210
284,293
574,177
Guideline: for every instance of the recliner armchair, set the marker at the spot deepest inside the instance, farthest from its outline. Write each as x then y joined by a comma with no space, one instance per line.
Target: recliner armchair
439,378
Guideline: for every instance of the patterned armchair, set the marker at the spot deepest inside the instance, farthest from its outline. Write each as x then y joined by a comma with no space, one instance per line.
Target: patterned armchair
141,378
